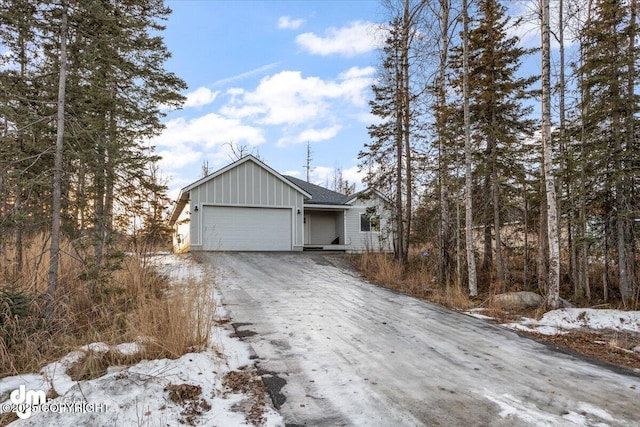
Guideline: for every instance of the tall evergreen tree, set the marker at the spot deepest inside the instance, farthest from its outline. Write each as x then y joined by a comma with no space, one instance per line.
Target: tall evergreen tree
498,116
116,89
26,103
610,107
388,157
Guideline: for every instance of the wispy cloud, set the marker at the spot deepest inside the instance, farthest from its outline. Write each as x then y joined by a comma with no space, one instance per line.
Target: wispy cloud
247,74
286,23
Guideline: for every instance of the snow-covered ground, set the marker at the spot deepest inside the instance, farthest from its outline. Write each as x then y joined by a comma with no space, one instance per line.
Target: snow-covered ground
567,319
564,320
141,395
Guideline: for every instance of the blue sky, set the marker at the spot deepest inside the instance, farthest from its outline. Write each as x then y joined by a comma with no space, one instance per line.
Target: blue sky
273,76
270,75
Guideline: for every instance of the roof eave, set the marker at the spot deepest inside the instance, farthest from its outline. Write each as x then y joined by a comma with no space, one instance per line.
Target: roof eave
326,206
181,202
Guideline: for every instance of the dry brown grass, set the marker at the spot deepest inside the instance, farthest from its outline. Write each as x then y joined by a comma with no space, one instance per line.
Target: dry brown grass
130,301
414,278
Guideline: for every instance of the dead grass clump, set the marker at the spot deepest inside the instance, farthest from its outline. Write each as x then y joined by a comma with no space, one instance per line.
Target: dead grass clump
189,397
126,300
415,277
180,322
381,268
453,297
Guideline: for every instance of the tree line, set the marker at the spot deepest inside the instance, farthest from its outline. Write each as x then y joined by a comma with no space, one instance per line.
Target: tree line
83,85
532,170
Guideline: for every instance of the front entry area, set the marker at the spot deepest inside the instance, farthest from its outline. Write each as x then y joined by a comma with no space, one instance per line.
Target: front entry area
323,228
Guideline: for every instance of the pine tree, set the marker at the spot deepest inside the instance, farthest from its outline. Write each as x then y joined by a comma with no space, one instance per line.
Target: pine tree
25,108
128,85
388,158
610,107
116,85
498,117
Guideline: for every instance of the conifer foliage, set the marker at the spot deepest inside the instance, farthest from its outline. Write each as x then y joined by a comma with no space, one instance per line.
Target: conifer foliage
552,208
111,56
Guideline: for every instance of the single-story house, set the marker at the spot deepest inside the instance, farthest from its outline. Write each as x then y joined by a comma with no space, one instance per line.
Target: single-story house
248,206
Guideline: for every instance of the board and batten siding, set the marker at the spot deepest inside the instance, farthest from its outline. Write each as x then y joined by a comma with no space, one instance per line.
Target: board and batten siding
359,241
248,184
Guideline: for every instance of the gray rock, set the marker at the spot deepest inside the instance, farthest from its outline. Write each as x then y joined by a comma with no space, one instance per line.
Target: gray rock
636,349
518,300
565,304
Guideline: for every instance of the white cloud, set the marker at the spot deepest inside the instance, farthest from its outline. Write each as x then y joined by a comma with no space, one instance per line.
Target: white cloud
324,176
316,135
528,29
310,135
356,82
286,23
178,156
199,97
208,130
288,98
357,38
292,173
285,97
353,175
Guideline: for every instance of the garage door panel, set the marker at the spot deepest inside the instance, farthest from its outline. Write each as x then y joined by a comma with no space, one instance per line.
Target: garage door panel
246,229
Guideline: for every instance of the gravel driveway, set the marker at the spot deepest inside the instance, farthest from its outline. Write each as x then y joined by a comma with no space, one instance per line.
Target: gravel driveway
355,354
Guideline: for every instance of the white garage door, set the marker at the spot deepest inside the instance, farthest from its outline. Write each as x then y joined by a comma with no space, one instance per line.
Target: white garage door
246,229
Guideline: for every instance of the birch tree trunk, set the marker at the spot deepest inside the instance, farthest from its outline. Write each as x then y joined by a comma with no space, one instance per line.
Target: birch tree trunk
406,108
468,206
400,249
443,234
553,281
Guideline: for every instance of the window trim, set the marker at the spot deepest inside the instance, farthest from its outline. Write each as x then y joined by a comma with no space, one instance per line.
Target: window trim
371,216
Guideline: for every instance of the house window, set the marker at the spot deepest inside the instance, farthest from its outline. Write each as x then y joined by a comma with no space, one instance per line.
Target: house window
369,221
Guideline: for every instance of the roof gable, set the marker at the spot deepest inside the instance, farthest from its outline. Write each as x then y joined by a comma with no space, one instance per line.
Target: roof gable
183,197
365,193
319,195
236,164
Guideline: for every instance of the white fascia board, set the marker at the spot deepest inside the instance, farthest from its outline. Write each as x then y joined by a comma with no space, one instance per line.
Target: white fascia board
326,207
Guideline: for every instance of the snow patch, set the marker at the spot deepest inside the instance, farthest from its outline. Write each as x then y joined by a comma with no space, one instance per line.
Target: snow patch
137,395
560,321
510,407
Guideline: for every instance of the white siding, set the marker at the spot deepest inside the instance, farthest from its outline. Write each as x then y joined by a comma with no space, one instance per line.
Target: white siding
181,232
249,185
359,241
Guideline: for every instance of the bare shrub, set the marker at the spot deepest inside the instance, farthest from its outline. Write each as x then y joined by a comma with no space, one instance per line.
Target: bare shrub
414,278
121,304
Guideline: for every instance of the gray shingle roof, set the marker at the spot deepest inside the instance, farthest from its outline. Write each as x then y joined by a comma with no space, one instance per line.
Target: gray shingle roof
319,195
